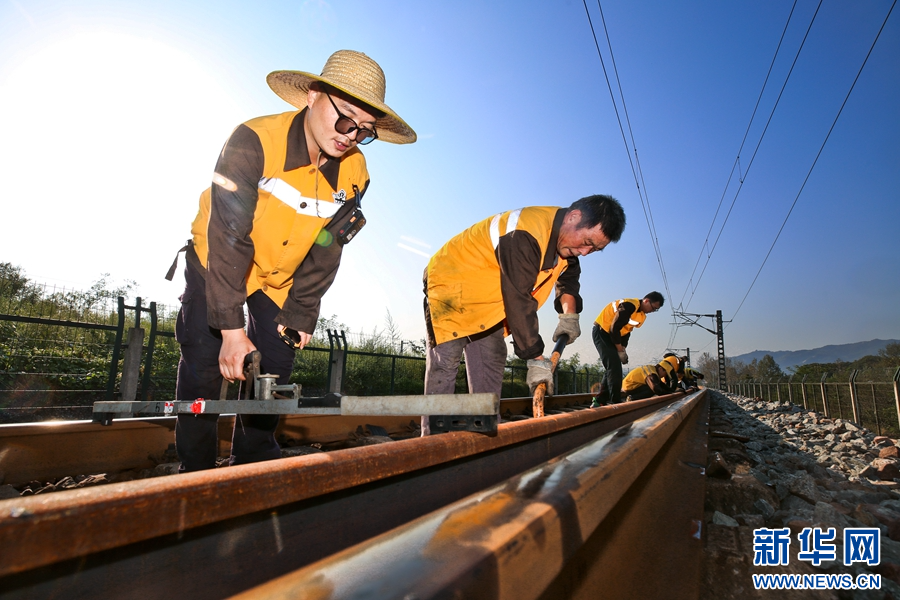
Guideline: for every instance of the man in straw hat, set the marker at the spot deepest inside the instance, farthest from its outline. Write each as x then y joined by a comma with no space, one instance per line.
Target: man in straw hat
285,198
489,281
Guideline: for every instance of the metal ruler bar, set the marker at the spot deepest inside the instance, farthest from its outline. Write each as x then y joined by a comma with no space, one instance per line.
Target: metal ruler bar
332,404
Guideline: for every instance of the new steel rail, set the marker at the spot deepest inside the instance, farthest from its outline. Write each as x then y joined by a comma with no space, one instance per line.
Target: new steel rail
578,496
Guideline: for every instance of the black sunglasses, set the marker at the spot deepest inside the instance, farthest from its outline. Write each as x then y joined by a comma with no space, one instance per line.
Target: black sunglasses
345,125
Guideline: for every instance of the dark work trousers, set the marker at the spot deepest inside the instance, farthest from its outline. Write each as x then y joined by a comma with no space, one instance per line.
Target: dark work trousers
641,392
196,439
611,385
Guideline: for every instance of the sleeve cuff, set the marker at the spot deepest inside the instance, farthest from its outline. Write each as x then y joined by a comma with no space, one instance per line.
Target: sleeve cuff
226,319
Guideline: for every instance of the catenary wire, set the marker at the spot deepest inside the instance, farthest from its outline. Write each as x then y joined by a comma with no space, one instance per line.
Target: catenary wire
737,159
737,165
743,178
635,169
818,154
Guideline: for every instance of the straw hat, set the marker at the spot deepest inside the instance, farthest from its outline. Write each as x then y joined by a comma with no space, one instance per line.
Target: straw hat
356,75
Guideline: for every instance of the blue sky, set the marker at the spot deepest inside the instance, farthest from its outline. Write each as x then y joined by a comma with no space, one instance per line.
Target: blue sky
113,114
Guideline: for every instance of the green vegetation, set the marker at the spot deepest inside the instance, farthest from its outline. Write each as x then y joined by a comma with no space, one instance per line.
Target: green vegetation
878,368
59,363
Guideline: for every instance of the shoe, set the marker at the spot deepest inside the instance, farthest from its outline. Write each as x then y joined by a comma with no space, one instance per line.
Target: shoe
595,404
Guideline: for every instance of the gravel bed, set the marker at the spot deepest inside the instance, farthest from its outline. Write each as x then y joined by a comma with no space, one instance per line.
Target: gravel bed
779,465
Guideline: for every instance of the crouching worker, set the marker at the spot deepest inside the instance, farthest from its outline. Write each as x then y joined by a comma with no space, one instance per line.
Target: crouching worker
691,380
647,381
489,281
284,200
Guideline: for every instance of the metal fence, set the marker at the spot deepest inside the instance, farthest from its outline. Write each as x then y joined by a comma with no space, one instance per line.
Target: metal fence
55,361
869,398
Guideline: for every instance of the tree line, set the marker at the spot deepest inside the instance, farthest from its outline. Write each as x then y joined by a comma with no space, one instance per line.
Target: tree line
47,365
878,367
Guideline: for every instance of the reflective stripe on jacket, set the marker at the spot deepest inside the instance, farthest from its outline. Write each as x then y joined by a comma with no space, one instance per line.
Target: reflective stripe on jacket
607,316
265,210
468,292
637,377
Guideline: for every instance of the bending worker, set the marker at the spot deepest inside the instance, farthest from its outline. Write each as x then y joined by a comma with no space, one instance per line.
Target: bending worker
489,281
690,381
611,333
674,366
649,380
284,201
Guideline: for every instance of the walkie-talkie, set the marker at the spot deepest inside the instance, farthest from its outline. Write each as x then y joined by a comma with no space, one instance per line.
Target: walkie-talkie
354,223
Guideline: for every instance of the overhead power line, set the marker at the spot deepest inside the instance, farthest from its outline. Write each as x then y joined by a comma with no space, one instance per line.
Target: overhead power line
635,164
743,175
818,154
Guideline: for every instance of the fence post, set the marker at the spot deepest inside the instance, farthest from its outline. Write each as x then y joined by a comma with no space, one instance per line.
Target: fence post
393,370
131,365
854,400
897,392
778,389
790,392
803,390
148,359
825,395
337,362
117,348
875,409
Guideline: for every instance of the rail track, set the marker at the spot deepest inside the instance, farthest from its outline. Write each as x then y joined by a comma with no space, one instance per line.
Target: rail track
559,506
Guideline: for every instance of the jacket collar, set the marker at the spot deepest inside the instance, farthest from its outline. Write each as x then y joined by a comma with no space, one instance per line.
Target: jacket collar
551,256
297,154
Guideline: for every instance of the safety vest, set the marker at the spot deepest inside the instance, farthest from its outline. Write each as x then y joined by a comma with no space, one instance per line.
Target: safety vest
607,316
464,295
637,377
291,211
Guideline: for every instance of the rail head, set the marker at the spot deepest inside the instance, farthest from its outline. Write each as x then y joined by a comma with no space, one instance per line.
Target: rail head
507,542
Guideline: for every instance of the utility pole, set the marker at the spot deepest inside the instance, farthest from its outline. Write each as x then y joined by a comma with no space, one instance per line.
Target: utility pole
720,338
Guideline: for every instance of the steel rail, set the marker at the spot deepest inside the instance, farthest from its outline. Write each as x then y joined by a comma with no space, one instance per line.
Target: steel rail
238,527
49,451
532,535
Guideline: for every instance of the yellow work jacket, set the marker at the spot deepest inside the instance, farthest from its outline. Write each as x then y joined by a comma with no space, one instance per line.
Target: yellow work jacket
637,377
267,207
607,316
464,276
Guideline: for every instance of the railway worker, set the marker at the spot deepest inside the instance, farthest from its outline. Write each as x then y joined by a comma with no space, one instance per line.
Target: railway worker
674,366
647,381
611,332
488,282
690,381
284,200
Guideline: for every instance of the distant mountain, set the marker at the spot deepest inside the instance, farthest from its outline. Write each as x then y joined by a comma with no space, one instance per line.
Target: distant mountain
825,354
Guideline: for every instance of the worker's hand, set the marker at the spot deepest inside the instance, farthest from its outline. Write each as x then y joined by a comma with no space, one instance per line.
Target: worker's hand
538,373
298,339
623,357
568,324
235,346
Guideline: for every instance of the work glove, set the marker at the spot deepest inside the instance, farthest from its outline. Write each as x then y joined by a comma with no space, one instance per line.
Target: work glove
623,357
568,324
539,372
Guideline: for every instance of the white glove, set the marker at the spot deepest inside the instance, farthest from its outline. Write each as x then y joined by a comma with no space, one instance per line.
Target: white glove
568,324
539,372
623,357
